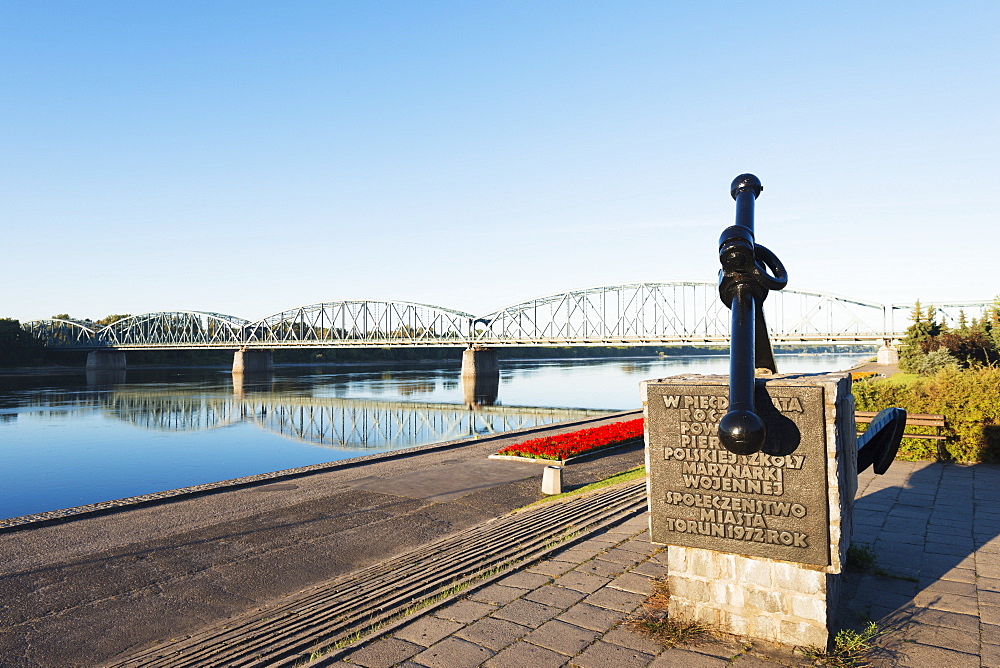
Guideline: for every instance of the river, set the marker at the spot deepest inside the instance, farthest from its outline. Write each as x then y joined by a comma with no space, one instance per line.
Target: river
79,438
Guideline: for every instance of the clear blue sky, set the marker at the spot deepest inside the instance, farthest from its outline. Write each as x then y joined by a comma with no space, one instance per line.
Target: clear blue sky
245,157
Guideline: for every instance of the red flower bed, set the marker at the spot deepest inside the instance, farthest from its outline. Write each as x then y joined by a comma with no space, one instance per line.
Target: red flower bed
574,443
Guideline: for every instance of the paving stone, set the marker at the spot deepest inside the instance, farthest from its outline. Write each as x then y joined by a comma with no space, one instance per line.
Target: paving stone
950,587
899,539
987,597
600,568
938,636
637,584
497,594
591,617
615,599
989,656
751,661
603,655
493,633
561,637
582,582
384,653
659,557
622,557
453,653
989,614
990,633
525,655
578,556
885,599
888,584
947,548
914,654
959,575
553,567
988,584
558,597
525,580
682,658
643,547
651,569
943,563
948,533
527,613
465,611
427,630
626,637
967,605
950,620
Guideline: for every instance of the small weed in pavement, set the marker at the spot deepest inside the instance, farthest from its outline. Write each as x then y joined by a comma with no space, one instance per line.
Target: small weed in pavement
851,649
862,558
654,623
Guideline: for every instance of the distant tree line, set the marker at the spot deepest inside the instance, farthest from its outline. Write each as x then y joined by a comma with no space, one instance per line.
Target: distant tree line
17,346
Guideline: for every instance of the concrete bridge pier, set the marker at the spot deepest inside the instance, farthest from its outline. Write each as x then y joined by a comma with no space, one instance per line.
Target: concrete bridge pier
480,376
888,354
252,361
106,360
480,361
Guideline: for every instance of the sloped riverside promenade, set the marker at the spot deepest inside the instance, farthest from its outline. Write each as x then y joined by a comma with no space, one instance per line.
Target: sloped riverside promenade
85,589
200,594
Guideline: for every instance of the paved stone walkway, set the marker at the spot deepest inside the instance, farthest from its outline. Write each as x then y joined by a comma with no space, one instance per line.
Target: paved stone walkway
936,591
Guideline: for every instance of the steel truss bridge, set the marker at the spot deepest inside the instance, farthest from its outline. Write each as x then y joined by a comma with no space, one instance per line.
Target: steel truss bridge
629,314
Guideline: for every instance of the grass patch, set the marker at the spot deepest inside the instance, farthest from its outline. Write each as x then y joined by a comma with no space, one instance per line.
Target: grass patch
624,476
851,649
901,378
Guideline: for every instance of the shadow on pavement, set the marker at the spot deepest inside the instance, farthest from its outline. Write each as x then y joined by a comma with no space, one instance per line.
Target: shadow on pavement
936,585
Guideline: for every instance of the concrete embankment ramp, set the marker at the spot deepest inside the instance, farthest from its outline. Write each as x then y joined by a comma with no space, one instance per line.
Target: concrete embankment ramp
86,591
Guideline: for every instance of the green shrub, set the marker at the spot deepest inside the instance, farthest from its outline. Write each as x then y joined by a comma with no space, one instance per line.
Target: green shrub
969,399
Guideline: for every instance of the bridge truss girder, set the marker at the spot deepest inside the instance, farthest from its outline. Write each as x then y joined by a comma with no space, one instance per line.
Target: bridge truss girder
361,323
673,313
685,312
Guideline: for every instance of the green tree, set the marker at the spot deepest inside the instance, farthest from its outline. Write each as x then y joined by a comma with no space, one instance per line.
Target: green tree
920,338
108,319
930,346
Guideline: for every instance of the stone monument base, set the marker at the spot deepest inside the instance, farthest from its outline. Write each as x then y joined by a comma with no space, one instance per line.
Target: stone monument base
771,600
755,543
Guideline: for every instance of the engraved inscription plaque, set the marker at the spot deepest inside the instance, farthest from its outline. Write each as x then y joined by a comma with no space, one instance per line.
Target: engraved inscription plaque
769,504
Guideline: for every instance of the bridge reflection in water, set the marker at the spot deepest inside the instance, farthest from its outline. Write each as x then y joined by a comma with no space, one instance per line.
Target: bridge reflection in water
351,424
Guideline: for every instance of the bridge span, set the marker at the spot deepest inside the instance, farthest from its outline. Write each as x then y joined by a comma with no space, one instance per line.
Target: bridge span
685,312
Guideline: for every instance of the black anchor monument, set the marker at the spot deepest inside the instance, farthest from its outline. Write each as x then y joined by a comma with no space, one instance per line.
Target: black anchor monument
752,476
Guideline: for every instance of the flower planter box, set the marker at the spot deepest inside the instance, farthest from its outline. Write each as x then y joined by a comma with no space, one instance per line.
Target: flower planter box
575,445
563,462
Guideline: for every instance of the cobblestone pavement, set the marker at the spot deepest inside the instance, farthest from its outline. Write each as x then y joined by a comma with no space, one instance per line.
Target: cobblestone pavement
935,590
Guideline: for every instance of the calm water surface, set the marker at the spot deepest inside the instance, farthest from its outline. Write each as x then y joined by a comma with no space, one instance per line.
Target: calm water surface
81,438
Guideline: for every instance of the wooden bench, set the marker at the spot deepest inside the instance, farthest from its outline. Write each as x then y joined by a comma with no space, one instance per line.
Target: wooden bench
912,420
